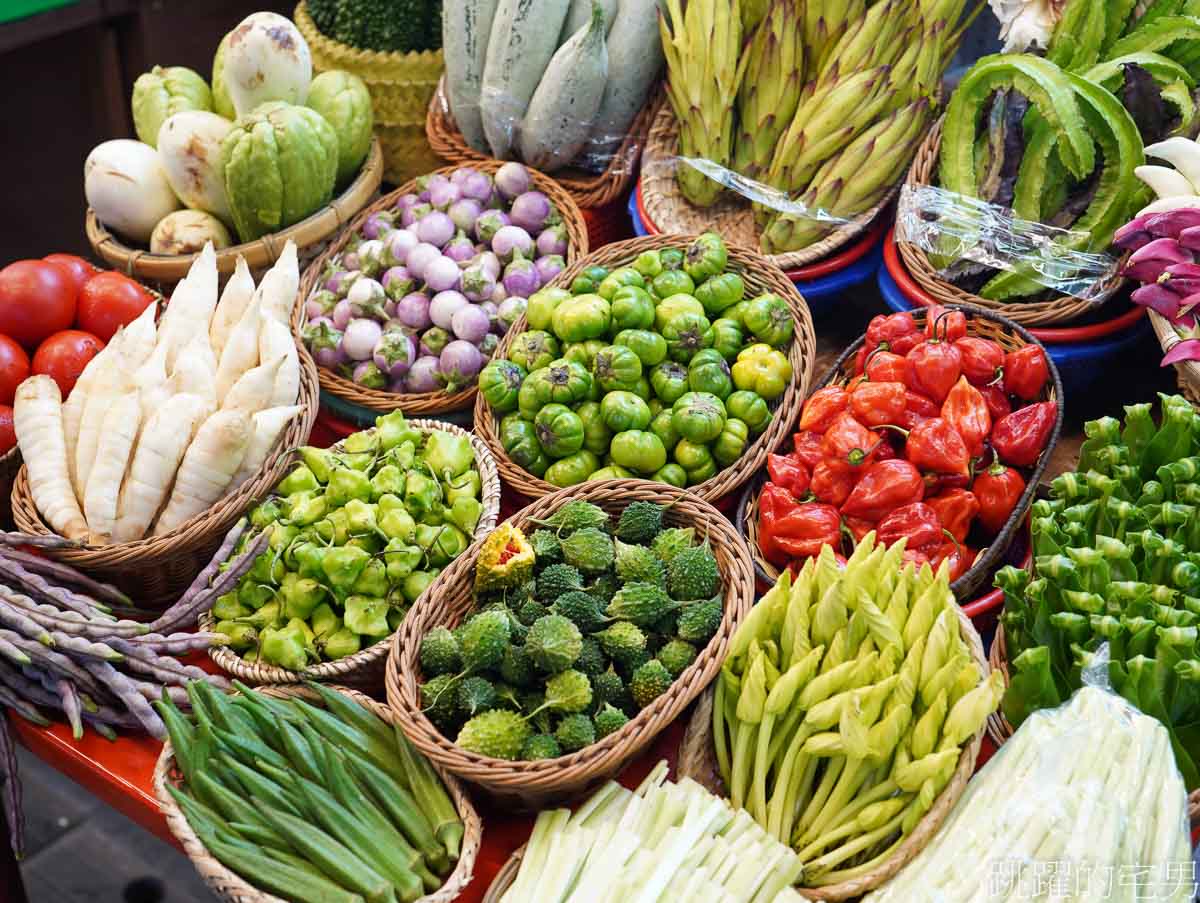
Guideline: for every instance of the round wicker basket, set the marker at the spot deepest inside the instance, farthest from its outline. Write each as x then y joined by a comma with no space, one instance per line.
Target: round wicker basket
698,761
731,215
365,668
156,569
760,276
230,887
528,786
311,235
587,189
1060,309
425,403
1168,338
985,325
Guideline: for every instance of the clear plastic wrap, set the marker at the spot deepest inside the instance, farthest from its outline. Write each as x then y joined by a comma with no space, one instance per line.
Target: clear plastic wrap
953,227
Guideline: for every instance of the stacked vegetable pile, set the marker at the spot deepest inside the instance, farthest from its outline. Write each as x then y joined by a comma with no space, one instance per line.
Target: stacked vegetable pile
927,443
1086,792
385,27
664,841
546,82
353,536
626,375
261,150
314,804
1118,562
575,630
419,299
828,106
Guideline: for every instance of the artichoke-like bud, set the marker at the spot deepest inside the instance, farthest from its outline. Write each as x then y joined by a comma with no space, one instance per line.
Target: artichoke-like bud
929,727
826,685
969,713
854,732
964,682
792,682
885,736
910,777
753,698
882,630
829,616
879,814
824,746
937,647
943,680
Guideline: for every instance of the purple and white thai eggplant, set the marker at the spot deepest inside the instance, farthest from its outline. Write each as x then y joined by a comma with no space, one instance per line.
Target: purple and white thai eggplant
394,354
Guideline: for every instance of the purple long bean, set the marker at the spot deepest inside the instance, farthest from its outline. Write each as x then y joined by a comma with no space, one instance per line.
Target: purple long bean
12,790
100,727
164,668
17,540
71,707
182,609
84,647
23,707
26,626
153,692
178,643
15,572
70,621
125,690
97,591
11,652
182,613
54,659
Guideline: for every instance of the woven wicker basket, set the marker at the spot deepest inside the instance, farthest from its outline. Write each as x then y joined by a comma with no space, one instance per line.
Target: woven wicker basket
311,235
731,215
156,569
1059,309
985,325
425,403
697,760
529,786
1168,338
230,887
760,276
365,668
587,189
10,465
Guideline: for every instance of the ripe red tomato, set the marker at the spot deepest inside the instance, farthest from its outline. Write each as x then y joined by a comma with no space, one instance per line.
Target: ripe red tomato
109,301
14,368
78,269
64,355
8,434
37,299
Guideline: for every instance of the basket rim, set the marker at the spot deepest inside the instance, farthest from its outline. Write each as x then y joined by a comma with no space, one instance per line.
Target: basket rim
1168,338
350,666
784,410
227,884
358,54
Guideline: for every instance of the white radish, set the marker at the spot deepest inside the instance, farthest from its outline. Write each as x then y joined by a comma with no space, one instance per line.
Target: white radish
196,369
161,446
132,351
37,419
150,381
1164,181
252,392
241,350
277,291
275,340
118,433
73,408
268,426
209,463
234,301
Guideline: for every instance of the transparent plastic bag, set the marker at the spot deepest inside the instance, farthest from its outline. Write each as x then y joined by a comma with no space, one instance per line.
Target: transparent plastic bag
952,227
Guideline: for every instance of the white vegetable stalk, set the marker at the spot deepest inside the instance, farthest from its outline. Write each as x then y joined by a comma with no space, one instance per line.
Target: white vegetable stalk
279,286
268,427
209,464
234,301
118,432
38,422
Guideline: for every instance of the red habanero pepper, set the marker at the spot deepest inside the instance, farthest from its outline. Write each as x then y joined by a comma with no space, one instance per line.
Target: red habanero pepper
806,447
858,527
982,359
935,445
966,410
1020,437
860,359
998,404
998,489
805,529
886,367
936,366
885,486
822,407
887,329
856,381
848,440
959,558
920,404
773,502
875,404
915,557
945,324
937,483
917,523
1025,372
907,343
789,473
956,509
832,481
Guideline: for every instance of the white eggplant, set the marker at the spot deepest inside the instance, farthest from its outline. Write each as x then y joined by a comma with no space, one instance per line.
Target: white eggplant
266,59
125,183
187,232
189,145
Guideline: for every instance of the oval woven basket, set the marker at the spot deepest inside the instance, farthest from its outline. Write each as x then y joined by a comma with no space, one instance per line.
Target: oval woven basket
529,786
1187,371
232,888
364,669
156,569
760,275
424,403
1060,309
698,761
10,465
311,235
587,189
985,325
731,215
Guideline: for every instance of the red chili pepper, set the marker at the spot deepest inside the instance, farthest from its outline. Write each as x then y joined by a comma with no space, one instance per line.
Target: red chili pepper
917,523
855,382
920,404
1025,372
806,446
832,481
886,367
982,359
966,410
822,407
860,358
936,367
804,529
1020,437
858,527
907,343
788,472
887,329
935,445
998,404
959,558
944,323
885,486
937,483
998,489
848,440
956,509
875,404
915,557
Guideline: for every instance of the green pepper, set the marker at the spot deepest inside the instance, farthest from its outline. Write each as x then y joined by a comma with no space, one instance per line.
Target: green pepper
367,616
632,308
393,429
266,513
673,282
346,484
448,454
445,544
708,372
572,469
669,381
706,256
616,368
1152,494
750,408
227,607
624,411
319,460
238,637
282,536
309,557
396,522
324,620
727,338
301,595
267,568
401,559
299,480
672,474
464,513
649,264
403,455
731,444
302,509
387,479
698,417
618,278
769,318
559,430
466,485
266,615
364,442
341,567
373,579
500,381
341,643
673,306
720,292
533,350
582,317
286,647
696,460
596,434
542,304
686,334
611,472
639,450
416,583
650,347
762,370
565,382
421,494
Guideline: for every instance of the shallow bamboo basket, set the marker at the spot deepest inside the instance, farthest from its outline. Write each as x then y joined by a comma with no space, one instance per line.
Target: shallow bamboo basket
1059,309
587,189
423,403
228,886
1188,371
985,325
311,235
731,215
364,669
528,786
760,275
